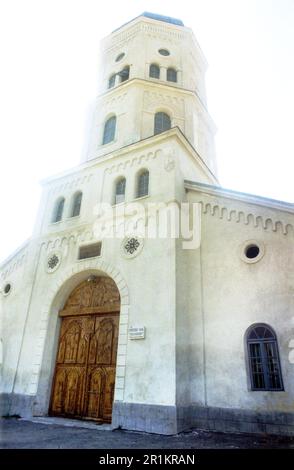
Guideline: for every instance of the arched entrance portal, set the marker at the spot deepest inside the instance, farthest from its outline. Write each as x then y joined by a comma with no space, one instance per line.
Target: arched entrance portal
84,378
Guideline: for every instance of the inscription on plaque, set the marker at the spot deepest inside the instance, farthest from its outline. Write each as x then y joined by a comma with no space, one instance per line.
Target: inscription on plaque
137,332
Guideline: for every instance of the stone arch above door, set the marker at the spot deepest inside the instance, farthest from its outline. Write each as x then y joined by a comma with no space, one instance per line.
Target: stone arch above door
66,281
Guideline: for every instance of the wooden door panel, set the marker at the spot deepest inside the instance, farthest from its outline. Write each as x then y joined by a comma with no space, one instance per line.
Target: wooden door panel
85,367
94,393
108,393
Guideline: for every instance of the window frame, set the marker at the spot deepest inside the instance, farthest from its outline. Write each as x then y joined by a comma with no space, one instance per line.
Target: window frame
111,81
140,174
56,210
73,205
123,76
118,181
264,359
154,67
173,71
162,113
105,139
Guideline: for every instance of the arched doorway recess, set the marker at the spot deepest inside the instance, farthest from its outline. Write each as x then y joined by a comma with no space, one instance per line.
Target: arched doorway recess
84,378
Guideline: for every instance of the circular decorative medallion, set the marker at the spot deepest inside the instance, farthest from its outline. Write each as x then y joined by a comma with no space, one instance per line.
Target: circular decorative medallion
53,262
131,246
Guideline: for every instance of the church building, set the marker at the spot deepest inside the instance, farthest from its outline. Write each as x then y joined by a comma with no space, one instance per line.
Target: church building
144,331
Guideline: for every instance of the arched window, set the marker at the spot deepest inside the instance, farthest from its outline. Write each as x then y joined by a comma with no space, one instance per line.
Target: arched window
143,184
120,190
111,81
171,75
154,71
58,210
162,123
124,73
109,130
76,204
263,357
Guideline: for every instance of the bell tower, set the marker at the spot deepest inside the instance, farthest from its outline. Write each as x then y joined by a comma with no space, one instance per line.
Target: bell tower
152,79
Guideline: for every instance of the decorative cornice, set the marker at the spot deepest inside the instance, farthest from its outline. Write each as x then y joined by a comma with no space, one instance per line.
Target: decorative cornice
172,33
14,261
70,184
246,217
136,146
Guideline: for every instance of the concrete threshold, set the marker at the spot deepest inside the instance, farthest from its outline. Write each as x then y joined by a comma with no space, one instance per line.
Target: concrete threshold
72,423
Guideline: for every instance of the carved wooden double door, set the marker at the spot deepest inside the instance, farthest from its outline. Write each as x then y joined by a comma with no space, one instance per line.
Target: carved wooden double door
83,385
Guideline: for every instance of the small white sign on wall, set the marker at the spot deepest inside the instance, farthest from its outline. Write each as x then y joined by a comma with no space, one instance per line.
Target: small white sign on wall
137,332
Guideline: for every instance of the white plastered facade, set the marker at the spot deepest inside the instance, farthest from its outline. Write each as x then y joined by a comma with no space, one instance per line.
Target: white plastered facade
196,305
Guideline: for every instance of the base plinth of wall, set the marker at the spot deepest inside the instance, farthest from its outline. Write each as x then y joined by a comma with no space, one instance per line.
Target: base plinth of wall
14,404
162,419
169,420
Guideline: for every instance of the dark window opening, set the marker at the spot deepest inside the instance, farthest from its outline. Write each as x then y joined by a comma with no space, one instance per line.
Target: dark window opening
120,189
252,251
162,122
7,288
76,207
154,71
143,184
164,52
120,57
109,130
124,74
171,75
111,81
58,211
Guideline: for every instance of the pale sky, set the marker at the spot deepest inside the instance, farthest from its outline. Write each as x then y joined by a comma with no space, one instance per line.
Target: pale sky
49,75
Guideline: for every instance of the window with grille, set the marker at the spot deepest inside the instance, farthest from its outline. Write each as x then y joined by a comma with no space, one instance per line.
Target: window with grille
171,75
90,251
111,81
154,71
76,206
120,189
263,356
58,210
143,184
162,123
109,130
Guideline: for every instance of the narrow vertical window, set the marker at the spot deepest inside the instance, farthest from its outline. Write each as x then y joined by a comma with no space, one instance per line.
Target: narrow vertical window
58,210
76,204
171,75
109,130
143,184
162,123
124,74
263,357
154,71
111,81
120,190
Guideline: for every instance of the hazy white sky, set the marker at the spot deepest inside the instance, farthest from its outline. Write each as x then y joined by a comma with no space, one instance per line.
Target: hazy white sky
49,70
